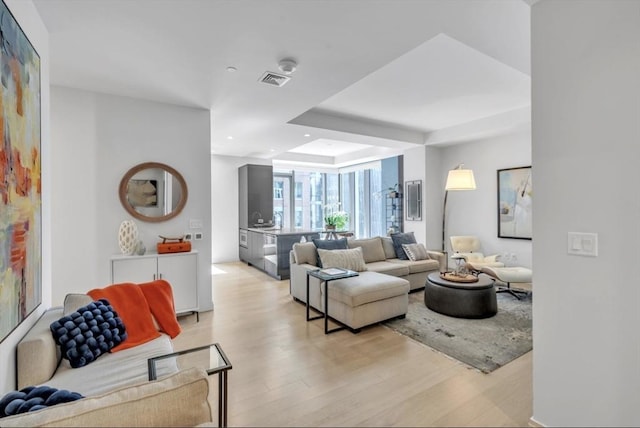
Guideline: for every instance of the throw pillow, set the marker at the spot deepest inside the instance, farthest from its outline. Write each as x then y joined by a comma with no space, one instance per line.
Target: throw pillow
329,244
372,249
34,398
345,259
88,333
305,253
399,239
416,252
387,245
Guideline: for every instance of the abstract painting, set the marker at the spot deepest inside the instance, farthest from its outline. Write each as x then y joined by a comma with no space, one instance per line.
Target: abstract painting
515,193
20,176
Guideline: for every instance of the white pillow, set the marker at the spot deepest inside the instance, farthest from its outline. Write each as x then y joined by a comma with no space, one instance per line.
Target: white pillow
346,259
415,252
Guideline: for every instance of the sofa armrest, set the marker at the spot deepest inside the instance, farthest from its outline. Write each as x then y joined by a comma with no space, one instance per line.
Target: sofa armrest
37,355
178,400
440,257
493,258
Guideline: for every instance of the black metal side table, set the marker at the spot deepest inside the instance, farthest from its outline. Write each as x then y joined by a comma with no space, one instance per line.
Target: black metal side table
327,275
211,358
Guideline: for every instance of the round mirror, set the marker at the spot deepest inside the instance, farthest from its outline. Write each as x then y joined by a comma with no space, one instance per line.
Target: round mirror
153,192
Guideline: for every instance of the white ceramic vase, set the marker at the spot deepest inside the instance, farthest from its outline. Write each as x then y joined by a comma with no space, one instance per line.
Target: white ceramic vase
128,237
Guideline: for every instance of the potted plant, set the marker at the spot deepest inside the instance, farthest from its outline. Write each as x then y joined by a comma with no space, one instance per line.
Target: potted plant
393,191
335,219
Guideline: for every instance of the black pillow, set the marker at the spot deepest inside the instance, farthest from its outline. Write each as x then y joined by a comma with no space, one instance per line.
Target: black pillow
89,332
330,244
399,239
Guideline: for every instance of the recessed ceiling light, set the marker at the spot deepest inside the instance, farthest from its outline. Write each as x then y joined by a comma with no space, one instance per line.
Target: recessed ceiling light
307,135
272,150
231,69
229,137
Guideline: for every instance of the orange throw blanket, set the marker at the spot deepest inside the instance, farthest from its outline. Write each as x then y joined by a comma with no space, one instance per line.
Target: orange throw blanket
135,304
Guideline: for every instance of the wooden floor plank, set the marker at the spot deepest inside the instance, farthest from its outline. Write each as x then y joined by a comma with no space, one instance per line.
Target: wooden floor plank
287,372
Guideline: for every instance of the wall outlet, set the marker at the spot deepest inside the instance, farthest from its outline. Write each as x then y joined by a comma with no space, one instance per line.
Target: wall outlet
197,236
582,244
188,236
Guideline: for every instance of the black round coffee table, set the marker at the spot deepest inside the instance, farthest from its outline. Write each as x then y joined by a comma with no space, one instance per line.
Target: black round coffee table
461,299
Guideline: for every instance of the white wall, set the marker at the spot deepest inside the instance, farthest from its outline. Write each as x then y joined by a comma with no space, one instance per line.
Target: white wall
586,131
474,212
224,205
97,139
29,19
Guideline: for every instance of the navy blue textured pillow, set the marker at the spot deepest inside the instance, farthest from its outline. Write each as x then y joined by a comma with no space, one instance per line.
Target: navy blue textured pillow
330,244
89,332
399,239
34,398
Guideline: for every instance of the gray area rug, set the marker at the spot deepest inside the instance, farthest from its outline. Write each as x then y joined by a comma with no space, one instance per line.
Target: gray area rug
485,344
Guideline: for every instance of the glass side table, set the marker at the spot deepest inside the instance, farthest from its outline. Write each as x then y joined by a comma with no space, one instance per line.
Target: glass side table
211,358
327,275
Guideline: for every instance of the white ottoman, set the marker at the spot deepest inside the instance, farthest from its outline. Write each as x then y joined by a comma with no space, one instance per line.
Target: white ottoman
509,275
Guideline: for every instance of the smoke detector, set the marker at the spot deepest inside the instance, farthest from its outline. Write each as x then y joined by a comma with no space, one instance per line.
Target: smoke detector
287,65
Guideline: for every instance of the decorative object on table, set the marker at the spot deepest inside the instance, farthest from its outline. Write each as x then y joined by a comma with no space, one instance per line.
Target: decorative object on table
485,344
20,177
140,248
334,219
458,277
515,193
128,237
457,179
460,262
175,244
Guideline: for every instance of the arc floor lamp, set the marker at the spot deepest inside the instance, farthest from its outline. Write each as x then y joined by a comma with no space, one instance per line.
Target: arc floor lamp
458,179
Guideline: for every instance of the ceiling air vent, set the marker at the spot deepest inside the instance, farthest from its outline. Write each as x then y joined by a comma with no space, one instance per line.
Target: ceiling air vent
274,79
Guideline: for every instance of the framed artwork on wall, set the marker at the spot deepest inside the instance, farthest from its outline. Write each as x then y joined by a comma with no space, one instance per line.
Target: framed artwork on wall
515,197
20,176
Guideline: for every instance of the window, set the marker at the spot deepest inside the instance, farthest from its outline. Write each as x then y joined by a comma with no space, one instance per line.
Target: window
299,190
278,189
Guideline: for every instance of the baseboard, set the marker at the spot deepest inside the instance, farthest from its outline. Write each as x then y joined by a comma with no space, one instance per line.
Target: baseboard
534,423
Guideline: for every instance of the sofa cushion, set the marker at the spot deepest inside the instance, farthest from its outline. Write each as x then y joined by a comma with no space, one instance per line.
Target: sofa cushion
388,268
387,245
116,370
179,400
366,288
88,333
399,239
418,266
305,253
346,259
330,244
415,251
372,250
73,301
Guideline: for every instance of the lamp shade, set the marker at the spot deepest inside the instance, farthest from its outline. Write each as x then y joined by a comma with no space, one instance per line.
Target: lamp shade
460,179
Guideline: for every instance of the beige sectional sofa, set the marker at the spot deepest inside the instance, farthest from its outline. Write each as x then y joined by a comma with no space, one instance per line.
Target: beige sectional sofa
116,385
380,292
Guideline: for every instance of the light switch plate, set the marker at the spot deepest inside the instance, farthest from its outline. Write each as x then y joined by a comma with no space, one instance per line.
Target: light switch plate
195,223
582,244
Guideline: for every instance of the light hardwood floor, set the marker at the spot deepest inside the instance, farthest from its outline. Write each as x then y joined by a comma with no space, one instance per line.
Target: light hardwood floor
286,372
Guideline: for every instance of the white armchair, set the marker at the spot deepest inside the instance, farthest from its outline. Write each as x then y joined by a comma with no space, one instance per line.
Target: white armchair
469,247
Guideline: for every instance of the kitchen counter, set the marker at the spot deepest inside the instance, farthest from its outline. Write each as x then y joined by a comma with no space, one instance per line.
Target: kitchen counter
281,231
267,248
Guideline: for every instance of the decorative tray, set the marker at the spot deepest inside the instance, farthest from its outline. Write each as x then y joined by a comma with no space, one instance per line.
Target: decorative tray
453,277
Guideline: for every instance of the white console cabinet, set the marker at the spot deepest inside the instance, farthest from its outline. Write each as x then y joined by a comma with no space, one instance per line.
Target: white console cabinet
178,269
